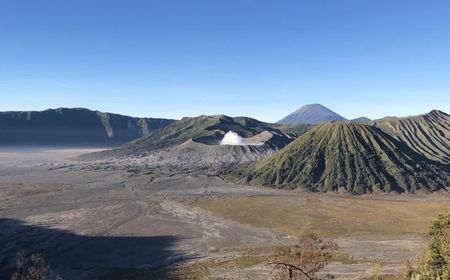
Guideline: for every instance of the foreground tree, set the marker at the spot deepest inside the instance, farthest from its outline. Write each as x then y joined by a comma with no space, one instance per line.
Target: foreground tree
33,267
435,264
304,260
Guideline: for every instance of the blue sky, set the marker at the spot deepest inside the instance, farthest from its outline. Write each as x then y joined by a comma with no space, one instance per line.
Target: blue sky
174,58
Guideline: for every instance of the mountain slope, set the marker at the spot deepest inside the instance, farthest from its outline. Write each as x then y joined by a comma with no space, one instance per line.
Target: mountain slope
194,155
361,120
349,157
73,127
311,114
427,134
208,130
202,126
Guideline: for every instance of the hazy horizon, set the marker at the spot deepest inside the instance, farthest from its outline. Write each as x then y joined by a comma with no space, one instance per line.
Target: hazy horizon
262,59
273,121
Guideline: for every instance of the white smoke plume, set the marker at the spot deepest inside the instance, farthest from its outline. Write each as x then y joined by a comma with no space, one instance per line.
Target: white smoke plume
232,138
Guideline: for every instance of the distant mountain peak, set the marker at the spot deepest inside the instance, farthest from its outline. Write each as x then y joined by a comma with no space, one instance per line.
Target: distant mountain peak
311,114
313,105
361,120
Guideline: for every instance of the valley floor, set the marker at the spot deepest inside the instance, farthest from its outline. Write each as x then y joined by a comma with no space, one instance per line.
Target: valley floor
109,220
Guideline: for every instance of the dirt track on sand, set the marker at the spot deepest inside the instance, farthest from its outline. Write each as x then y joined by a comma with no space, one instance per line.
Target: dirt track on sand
88,218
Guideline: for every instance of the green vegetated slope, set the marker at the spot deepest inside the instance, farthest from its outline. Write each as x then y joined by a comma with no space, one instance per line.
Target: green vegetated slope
427,134
207,128
344,156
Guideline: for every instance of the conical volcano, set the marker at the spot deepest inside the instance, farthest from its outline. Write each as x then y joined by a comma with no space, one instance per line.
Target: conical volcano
350,157
311,114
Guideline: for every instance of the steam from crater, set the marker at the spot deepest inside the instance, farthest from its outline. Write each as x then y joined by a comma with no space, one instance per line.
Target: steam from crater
232,138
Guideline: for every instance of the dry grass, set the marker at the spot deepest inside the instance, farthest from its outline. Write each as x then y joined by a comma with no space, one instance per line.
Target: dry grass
330,216
245,258
384,277
203,269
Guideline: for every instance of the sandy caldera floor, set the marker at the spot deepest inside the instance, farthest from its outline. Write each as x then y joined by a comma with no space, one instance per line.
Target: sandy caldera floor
112,220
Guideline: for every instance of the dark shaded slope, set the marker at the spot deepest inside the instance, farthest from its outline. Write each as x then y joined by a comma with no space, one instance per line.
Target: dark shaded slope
81,257
427,134
73,127
350,157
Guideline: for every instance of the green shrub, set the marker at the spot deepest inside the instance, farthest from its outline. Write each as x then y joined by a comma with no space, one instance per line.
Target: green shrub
435,264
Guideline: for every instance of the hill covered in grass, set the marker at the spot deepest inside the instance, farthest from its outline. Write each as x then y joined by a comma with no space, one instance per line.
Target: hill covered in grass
427,134
348,157
208,130
76,126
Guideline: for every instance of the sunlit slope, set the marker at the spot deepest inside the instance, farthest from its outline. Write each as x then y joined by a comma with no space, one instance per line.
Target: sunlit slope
427,134
311,114
209,130
355,158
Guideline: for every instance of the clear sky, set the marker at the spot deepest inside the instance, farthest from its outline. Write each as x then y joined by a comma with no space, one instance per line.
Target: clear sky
263,59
